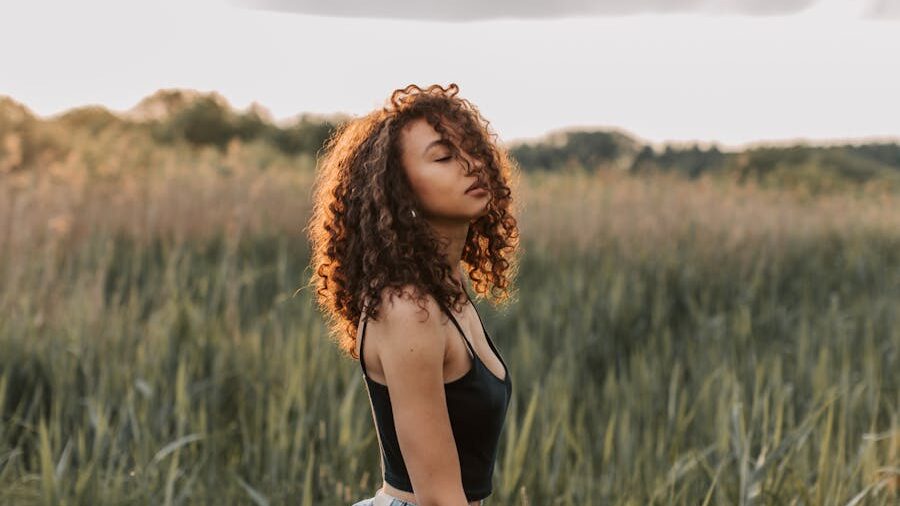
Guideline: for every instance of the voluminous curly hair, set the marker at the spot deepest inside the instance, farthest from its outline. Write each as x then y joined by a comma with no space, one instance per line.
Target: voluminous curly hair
364,237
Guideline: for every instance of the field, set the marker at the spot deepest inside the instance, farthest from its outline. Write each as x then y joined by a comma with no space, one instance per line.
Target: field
670,341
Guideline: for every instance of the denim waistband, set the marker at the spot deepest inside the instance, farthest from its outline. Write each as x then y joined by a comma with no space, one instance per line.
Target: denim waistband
385,499
382,498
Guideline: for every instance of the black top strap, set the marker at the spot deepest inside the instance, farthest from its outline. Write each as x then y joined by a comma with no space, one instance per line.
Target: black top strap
362,339
463,334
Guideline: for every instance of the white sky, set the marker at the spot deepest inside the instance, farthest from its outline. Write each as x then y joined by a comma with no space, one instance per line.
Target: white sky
825,73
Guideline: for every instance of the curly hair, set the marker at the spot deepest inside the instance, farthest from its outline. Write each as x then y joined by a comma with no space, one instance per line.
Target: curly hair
363,236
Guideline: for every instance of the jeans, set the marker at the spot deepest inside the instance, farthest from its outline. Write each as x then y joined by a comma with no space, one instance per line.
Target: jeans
384,498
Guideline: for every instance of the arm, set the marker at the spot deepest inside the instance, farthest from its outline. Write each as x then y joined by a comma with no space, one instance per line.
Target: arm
411,349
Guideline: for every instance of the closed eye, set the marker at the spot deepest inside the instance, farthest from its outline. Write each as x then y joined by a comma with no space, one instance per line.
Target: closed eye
444,159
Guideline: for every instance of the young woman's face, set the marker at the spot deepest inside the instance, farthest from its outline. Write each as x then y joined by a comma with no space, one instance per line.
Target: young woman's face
438,178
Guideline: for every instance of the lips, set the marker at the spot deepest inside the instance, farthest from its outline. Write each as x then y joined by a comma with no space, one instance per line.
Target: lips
476,184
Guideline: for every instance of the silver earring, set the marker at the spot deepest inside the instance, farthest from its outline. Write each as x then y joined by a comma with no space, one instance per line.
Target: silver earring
413,212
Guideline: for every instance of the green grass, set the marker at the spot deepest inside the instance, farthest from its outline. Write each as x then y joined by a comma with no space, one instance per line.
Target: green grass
669,343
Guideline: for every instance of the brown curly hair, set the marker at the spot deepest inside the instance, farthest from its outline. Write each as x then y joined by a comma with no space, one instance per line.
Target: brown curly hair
362,233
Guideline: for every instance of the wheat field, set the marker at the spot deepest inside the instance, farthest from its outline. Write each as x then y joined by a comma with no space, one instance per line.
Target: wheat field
670,341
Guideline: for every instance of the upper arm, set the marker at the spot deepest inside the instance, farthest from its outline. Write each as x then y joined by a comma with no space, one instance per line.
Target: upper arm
411,349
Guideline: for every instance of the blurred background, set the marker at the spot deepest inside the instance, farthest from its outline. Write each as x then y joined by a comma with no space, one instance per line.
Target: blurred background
708,304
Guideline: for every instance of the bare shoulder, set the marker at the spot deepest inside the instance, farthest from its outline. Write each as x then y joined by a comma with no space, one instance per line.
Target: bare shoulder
405,323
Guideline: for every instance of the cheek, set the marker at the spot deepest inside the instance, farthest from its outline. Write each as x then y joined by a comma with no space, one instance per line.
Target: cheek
431,180
437,190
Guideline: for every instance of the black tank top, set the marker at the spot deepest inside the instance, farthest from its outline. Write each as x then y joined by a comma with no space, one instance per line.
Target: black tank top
477,404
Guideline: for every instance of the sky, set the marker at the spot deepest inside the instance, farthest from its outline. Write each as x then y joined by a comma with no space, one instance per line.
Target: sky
730,72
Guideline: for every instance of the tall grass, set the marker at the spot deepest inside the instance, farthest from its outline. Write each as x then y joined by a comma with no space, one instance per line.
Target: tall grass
671,342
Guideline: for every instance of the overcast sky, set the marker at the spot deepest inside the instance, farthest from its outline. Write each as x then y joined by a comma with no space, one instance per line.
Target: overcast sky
729,71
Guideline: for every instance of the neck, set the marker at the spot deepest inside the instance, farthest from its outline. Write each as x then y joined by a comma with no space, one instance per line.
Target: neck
455,236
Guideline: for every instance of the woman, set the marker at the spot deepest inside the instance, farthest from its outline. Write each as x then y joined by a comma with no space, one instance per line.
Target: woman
404,198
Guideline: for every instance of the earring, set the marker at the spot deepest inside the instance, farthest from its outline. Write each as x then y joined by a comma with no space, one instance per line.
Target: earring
413,212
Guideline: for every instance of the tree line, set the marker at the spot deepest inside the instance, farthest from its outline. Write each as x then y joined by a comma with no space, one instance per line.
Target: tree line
206,119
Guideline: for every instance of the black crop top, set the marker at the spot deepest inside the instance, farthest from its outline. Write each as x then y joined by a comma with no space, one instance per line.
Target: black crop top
477,404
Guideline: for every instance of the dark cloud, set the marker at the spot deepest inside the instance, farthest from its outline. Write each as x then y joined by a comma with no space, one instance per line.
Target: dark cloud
883,9
471,10
475,10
